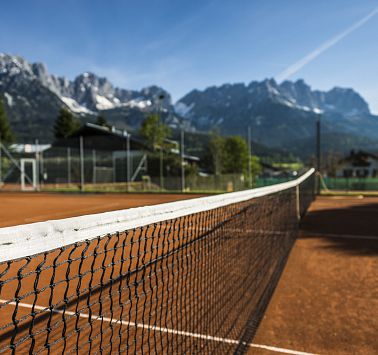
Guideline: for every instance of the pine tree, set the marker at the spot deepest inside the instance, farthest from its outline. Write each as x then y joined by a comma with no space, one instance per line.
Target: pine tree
6,134
101,121
66,124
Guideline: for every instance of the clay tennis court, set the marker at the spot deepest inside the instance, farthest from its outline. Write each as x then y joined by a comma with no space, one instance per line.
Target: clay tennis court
326,301
33,207
164,280
21,208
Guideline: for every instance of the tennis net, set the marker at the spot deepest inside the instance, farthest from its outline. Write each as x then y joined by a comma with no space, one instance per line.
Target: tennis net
192,276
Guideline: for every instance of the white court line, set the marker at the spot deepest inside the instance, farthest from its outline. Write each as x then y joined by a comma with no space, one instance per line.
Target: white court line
161,329
346,236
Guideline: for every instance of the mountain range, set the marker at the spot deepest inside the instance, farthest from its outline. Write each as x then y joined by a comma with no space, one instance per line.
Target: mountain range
280,115
33,98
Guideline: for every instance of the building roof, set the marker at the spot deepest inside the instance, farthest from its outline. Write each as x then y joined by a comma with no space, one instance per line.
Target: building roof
359,158
29,148
97,137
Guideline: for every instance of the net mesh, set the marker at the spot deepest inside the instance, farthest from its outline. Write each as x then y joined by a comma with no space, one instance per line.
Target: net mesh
195,284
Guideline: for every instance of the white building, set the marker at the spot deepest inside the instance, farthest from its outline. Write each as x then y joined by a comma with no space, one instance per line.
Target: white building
358,164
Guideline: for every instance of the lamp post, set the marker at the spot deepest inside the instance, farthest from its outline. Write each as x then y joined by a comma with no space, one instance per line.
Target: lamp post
161,98
128,165
318,153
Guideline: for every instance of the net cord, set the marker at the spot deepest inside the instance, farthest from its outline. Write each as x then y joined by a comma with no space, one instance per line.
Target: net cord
30,239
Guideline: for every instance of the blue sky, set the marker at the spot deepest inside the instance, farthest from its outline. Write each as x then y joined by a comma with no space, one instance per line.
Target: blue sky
182,45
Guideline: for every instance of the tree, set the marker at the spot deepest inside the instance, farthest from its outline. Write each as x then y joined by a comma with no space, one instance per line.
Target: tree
216,151
154,132
255,166
6,134
101,121
66,124
227,155
235,155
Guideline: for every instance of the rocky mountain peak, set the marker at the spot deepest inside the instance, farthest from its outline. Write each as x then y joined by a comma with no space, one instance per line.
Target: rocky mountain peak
346,100
14,65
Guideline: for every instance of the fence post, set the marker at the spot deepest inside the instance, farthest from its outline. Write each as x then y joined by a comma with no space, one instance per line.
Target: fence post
114,167
81,163
68,166
37,168
128,160
94,165
161,170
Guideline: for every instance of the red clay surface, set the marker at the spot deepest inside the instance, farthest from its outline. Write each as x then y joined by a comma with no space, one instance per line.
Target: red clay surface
327,299
21,208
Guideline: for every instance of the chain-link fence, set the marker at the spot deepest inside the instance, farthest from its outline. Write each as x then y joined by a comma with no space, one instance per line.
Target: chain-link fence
46,168
71,166
350,184
68,168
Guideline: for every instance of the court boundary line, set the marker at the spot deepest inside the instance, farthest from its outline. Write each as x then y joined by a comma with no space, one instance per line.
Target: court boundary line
341,236
157,328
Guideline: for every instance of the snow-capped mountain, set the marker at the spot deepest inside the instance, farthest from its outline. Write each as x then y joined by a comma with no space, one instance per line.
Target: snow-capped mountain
87,93
296,95
32,95
278,113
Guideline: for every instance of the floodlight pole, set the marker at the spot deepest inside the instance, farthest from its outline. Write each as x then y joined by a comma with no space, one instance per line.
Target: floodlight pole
318,152
161,97
318,161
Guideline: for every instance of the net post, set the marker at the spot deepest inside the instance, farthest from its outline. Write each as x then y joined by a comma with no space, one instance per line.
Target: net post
297,202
